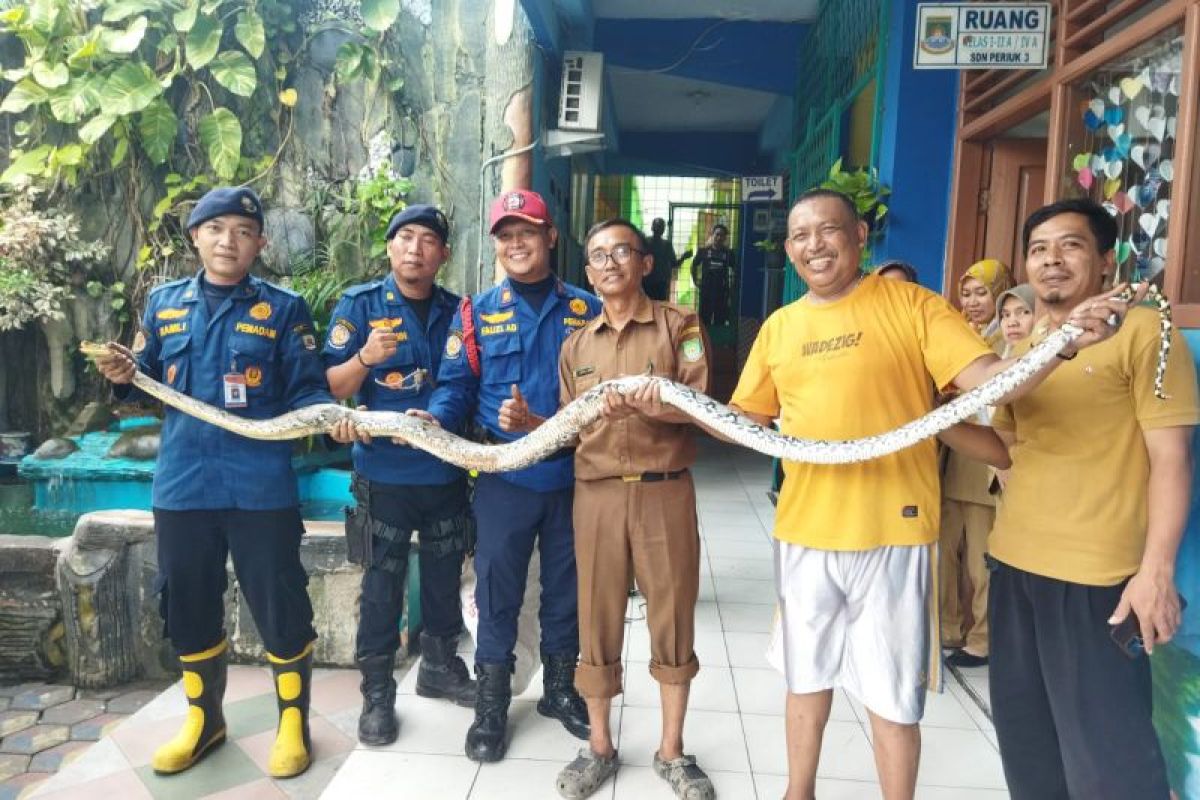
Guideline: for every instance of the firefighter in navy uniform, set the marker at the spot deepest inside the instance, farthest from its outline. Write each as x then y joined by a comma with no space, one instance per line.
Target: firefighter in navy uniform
238,343
499,369
384,346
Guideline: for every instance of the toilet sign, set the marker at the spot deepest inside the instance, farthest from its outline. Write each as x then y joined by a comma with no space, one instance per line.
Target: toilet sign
762,189
982,36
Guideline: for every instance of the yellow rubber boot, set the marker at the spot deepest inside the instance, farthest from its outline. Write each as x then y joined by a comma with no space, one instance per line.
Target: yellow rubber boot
292,752
204,729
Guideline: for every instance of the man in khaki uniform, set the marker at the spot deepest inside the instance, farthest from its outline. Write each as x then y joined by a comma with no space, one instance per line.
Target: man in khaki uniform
635,505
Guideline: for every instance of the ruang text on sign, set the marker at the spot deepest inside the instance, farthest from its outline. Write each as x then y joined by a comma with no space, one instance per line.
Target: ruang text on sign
982,36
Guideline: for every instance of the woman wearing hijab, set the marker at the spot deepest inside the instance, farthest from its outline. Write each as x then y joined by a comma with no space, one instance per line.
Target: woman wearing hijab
968,509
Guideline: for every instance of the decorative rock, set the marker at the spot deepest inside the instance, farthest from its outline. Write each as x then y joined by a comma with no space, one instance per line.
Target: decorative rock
11,765
94,417
13,721
55,448
130,702
30,611
44,696
52,760
72,712
96,728
35,739
139,443
291,237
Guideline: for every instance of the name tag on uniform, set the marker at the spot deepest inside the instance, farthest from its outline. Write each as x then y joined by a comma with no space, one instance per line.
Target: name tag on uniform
235,390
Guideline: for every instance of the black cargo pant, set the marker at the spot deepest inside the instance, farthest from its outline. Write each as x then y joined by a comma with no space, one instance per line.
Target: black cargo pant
1072,711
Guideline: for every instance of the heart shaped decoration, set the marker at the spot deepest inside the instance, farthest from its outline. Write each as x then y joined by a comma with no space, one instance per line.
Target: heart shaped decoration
1123,251
1137,154
1145,155
1149,223
1114,95
1160,80
1163,208
1166,170
1156,266
1121,202
1171,127
1144,76
1119,150
1093,122
1113,169
1081,160
1160,247
1157,127
1116,132
1096,106
1173,86
1142,115
1144,194
1114,115
1139,240
1085,177
1097,164
1131,87
1110,188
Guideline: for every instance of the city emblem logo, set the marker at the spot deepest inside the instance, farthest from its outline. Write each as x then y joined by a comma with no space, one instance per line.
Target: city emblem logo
692,350
339,334
253,377
249,205
260,311
578,306
394,379
936,39
454,345
514,201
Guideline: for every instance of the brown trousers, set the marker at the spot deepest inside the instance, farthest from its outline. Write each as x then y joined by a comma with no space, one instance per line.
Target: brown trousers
962,544
648,529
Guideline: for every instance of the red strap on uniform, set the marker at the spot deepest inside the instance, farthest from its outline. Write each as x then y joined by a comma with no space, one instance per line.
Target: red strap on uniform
470,343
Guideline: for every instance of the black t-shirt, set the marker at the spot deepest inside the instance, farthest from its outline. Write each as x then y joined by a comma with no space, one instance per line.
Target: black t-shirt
215,294
534,293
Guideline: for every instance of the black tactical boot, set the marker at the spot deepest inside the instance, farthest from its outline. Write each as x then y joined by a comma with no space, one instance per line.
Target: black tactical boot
442,673
559,700
486,736
377,724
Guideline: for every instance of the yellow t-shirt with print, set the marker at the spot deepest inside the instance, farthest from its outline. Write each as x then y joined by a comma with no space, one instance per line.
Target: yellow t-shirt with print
857,367
1075,504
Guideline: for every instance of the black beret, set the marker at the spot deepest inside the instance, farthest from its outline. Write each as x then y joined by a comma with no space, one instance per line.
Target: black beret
227,200
429,216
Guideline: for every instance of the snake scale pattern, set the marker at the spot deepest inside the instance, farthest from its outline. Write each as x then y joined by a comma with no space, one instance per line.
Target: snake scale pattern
562,429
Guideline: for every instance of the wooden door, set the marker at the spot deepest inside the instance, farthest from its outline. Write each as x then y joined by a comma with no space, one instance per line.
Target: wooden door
1016,184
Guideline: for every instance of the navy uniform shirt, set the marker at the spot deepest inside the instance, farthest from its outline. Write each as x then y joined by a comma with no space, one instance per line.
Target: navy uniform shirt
263,335
404,381
517,344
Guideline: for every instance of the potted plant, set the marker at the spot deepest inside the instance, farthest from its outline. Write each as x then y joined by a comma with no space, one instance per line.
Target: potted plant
863,187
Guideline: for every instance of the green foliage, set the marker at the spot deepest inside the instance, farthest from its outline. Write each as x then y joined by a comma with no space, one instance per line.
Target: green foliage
320,285
375,201
863,187
42,258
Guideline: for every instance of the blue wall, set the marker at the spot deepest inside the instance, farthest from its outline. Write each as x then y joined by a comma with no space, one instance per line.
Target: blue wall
916,150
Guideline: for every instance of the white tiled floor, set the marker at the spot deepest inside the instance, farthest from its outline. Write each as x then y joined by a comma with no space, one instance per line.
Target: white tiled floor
735,723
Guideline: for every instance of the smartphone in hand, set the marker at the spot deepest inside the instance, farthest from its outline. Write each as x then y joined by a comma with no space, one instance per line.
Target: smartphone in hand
1128,633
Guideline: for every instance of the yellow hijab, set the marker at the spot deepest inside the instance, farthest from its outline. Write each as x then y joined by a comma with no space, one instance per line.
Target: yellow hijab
994,276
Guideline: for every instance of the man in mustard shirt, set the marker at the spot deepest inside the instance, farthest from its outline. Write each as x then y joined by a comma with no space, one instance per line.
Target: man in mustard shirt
1087,534
855,549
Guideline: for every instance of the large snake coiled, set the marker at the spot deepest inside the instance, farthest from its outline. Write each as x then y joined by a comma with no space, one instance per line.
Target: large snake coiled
562,429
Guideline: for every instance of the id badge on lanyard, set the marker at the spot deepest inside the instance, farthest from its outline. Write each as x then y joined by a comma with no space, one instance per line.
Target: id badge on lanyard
235,390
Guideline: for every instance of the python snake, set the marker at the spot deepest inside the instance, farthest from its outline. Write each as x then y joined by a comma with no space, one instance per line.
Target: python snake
561,430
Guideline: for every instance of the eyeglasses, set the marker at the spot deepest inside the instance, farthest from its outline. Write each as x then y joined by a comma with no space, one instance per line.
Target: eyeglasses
620,256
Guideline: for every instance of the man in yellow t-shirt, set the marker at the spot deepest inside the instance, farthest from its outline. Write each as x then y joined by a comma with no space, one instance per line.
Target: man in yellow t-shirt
856,544
1088,531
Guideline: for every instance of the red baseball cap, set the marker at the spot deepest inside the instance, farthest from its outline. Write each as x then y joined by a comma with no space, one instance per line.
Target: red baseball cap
519,204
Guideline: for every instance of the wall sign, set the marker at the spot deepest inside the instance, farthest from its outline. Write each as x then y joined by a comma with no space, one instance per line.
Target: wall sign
982,36
762,189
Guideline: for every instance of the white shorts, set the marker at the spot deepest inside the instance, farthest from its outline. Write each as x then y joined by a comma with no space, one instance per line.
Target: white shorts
861,620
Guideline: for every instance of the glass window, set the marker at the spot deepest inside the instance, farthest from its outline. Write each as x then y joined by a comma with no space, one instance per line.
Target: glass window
1120,148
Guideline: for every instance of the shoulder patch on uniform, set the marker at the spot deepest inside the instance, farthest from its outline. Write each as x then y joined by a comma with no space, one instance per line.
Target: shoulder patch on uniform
339,334
454,344
356,290
692,349
139,342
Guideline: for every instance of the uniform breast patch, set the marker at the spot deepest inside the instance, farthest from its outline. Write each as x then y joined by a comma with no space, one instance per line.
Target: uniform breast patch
386,322
692,349
171,328
253,377
578,305
497,318
256,330
171,313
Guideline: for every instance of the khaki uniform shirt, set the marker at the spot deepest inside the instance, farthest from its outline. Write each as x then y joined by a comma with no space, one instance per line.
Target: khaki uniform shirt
661,339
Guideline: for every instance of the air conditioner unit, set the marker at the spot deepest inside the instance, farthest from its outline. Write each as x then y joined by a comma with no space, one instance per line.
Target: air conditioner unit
579,100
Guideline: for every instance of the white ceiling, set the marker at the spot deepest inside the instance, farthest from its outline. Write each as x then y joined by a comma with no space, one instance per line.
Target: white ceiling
647,101
757,10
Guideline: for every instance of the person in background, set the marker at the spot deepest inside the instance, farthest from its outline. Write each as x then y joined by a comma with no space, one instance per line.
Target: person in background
238,343
658,283
968,507
897,270
713,272
1014,314
384,347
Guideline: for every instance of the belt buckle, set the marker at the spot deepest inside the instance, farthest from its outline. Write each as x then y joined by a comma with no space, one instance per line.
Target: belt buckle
631,478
